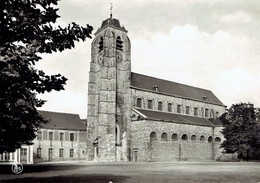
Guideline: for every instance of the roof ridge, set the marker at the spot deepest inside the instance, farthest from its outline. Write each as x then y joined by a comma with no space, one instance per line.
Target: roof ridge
58,112
172,81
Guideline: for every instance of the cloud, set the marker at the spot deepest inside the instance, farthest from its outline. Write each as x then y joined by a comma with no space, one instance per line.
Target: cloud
237,17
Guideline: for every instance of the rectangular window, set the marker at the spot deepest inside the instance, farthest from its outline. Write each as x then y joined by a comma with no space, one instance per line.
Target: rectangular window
71,153
61,153
72,137
61,136
50,135
7,156
39,135
39,152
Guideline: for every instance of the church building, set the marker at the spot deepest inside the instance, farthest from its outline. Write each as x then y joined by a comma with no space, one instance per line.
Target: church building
134,117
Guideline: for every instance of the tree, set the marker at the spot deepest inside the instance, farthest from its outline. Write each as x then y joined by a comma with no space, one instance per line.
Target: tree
240,129
27,29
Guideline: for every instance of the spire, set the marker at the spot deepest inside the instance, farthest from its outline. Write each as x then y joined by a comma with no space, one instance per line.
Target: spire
111,7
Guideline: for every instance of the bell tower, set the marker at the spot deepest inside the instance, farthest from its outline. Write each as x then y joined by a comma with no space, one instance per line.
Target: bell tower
109,93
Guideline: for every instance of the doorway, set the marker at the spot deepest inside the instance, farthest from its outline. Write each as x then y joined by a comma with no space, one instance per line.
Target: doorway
135,155
50,154
23,155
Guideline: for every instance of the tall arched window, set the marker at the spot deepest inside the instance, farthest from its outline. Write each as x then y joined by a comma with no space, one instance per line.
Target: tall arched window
153,136
195,111
101,44
210,139
119,43
217,114
117,134
187,110
206,113
138,102
178,108
150,104
160,106
169,107
164,136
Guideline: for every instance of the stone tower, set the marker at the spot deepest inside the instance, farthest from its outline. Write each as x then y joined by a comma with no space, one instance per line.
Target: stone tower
109,93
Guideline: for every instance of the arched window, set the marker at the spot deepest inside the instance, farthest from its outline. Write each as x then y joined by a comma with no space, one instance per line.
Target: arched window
178,108
101,44
187,110
195,111
202,138
153,136
193,137
160,106
217,139
139,102
174,136
206,113
169,107
164,136
150,104
119,43
117,134
184,137
210,139
217,114
211,113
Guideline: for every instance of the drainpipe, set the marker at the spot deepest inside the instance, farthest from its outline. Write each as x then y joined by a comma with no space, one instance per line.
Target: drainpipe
213,143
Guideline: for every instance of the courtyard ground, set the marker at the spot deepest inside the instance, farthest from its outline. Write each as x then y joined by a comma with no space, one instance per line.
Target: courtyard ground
138,172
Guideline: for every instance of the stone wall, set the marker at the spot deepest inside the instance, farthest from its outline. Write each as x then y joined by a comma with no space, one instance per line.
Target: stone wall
173,149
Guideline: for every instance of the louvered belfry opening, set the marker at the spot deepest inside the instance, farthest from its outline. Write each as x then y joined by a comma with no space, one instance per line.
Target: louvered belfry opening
119,43
101,44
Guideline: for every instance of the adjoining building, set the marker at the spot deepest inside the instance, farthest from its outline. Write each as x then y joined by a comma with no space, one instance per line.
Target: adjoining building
63,138
133,117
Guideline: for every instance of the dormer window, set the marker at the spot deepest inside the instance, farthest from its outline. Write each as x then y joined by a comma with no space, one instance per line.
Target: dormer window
119,43
101,44
155,88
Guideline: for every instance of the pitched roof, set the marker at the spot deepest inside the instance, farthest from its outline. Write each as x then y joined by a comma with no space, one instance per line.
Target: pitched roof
63,121
176,118
172,88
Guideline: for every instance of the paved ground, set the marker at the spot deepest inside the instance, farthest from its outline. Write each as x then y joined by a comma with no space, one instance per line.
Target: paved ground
138,172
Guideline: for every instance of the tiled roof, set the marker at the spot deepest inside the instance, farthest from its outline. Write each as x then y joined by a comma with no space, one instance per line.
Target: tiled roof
176,118
216,121
172,88
63,121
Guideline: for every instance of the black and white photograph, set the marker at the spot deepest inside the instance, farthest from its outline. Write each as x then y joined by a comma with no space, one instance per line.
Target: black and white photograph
116,91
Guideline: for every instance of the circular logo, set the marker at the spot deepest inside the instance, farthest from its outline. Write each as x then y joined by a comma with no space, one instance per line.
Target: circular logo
17,168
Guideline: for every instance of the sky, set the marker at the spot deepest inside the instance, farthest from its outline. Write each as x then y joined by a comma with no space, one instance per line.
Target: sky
213,45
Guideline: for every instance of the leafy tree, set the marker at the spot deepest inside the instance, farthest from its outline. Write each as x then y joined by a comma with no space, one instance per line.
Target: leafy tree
240,129
27,29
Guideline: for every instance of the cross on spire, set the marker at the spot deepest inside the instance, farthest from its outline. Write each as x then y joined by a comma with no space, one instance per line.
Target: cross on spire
111,7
